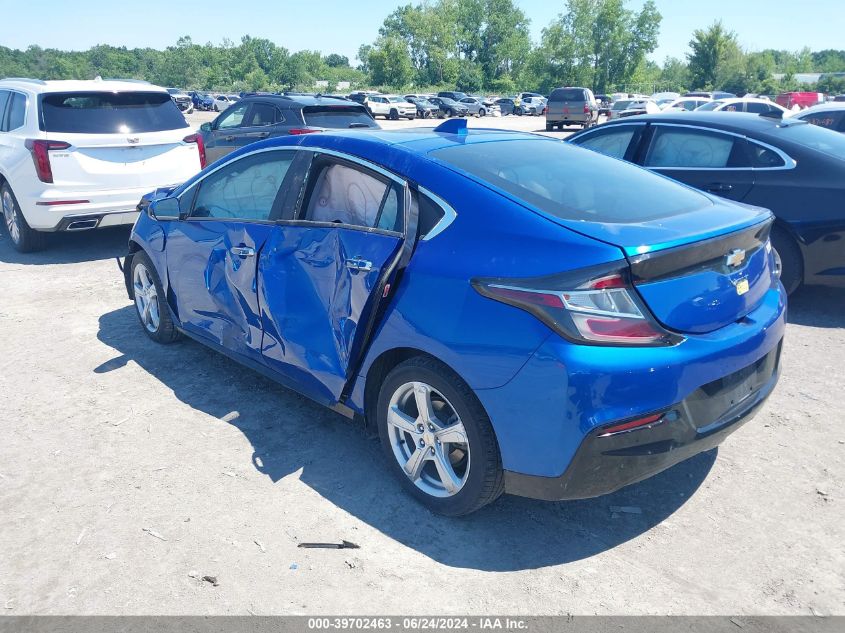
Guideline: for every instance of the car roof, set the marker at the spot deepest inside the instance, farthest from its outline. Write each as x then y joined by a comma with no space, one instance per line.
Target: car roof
738,122
79,85
301,101
822,107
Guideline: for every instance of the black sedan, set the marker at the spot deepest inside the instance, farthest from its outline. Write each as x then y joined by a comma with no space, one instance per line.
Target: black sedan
791,167
449,107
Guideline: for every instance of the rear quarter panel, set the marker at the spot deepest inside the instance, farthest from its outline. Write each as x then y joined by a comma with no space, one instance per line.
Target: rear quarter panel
437,311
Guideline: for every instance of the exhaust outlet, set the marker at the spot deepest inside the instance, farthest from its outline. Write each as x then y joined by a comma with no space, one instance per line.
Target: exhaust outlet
82,225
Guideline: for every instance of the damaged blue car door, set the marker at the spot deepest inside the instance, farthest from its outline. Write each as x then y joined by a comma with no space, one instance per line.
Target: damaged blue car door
324,271
213,252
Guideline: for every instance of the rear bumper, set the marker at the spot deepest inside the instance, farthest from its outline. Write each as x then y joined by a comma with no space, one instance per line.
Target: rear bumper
568,118
564,392
605,463
108,208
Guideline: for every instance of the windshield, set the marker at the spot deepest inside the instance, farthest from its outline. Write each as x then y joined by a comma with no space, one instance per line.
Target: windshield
568,94
338,117
447,100
109,112
395,100
621,105
563,181
712,105
816,137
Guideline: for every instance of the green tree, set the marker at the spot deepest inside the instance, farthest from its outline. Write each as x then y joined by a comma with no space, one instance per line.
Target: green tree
712,57
600,44
390,64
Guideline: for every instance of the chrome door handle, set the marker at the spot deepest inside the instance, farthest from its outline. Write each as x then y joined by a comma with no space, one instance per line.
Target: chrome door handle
358,263
242,251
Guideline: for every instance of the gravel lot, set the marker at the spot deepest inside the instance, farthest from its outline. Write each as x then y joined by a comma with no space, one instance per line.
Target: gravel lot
128,471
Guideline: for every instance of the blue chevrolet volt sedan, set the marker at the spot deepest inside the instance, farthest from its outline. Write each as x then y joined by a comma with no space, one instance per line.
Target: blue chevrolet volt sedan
512,313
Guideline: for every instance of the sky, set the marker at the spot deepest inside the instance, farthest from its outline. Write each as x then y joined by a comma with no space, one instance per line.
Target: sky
341,26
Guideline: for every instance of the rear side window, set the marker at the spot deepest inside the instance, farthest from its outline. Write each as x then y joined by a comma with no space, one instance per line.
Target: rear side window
832,119
346,195
263,114
569,94
338,117
15,111
678,147
567,182
763,157
110,112
612,142
244,189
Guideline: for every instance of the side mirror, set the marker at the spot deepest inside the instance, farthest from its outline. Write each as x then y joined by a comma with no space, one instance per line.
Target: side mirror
165,209
205,127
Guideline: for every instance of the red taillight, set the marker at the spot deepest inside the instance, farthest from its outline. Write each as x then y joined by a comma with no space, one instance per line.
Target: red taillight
586,108
303,130
596,309
648,421
40,151
197,138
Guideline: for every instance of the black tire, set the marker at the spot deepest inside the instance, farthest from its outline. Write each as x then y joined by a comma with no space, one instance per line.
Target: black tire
789,258
394,115
550,127
482,112
485,478
28,239
166,331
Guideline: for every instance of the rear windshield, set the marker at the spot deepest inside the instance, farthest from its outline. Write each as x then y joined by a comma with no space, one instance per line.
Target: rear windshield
621,105
572,183
819,138
110,112
568,94
338,117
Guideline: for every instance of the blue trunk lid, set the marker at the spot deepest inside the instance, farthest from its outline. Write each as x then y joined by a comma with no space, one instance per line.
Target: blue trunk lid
697,271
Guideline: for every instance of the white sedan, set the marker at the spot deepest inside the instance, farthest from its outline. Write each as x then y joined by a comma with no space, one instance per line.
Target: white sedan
753,105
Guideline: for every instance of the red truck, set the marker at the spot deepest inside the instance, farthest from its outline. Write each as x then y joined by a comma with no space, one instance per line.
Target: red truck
801,99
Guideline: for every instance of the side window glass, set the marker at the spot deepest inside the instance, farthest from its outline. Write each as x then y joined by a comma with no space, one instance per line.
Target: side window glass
673,147
758,108
243,190
16,111
4,96
764,157
390,218
613,143
822,119
346,195
233,117
263,114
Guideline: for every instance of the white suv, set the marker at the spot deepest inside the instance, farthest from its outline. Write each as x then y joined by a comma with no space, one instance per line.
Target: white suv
78,155
391,107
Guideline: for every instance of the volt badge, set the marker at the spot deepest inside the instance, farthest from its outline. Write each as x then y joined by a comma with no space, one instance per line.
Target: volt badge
741,286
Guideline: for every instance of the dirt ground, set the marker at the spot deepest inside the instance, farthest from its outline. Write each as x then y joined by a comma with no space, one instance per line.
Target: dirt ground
128,471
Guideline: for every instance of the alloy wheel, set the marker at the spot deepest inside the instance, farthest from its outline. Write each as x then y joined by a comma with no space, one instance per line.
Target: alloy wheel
146,298
10,214
428,439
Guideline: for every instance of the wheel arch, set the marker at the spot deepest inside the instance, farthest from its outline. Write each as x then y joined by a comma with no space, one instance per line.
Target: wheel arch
381,367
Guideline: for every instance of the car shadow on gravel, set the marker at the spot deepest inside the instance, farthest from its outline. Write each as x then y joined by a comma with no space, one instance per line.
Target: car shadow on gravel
346,466
70,248
817,306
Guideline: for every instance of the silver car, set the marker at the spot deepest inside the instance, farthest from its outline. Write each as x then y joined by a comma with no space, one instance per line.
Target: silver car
479,107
